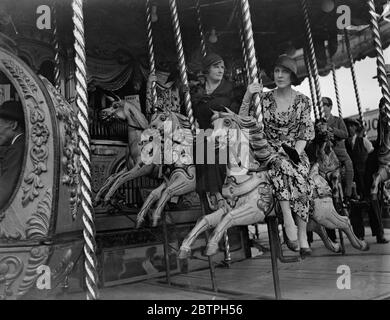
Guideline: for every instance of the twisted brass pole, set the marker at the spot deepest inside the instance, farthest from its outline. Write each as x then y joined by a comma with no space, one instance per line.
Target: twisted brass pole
152,65
84,145
312,57
352,66
310,79
200,27
182,64
56,45
251,55
380,60
336,91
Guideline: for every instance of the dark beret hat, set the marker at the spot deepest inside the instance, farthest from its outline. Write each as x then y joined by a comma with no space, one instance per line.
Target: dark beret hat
12,110
210,59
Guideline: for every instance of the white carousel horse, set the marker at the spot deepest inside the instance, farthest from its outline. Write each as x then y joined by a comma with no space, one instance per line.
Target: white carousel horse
126,111
169,140
248,189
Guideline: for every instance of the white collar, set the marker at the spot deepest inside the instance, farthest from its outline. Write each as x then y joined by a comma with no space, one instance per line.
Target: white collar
16,137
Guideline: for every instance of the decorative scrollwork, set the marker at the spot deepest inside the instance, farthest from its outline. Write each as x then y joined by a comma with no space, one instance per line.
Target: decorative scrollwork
38,224
10,269
39,133
71,158
38,257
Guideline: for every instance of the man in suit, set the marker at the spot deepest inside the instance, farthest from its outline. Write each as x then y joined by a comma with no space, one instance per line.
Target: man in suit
12,141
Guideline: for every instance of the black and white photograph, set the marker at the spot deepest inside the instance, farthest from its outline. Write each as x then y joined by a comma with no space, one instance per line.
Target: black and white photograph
193,156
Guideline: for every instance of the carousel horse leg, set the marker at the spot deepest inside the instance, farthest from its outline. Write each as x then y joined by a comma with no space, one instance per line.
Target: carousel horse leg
137,171
381,175
205,223
150,200
245,215
326,215
320,230
107,184
177,186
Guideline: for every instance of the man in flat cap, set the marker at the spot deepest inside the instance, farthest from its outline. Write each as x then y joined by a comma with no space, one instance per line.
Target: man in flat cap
12,140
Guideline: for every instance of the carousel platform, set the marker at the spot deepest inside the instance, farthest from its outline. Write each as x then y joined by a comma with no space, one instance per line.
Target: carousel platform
314,278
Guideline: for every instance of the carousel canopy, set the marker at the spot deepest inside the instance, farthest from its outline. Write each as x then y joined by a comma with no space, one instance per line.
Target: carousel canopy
116,43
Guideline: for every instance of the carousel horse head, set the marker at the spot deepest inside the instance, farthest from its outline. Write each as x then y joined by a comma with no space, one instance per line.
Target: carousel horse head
167,122
243,136
125,111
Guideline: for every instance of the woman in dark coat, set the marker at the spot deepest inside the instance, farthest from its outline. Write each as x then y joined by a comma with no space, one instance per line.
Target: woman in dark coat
215,94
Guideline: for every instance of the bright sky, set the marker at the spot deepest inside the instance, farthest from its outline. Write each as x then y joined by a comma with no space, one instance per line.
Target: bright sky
369,90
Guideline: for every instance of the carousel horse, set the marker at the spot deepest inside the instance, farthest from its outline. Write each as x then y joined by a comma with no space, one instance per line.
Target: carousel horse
329,166
168,143
136,121
248,189
383,172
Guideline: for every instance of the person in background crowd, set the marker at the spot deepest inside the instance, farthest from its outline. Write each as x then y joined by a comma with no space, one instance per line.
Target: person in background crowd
364,157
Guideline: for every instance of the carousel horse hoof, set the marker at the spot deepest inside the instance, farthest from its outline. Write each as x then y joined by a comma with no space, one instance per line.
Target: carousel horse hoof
304,252
366,246
337,248
184,253
292,245
139,224
212,249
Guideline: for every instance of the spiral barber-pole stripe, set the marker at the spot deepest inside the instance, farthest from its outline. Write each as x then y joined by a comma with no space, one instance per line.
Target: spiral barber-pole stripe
251,55
336,90
56,46
312,57
310,79
355,86
182,64
152,65
380,60
244,54
84,144
200,26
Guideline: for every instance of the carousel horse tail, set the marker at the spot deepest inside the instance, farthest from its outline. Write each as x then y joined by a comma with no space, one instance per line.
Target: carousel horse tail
150,200
326,215
246,214
207,222
381,175
320,230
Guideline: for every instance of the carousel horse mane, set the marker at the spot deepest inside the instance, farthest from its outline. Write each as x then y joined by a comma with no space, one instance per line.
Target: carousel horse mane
249,126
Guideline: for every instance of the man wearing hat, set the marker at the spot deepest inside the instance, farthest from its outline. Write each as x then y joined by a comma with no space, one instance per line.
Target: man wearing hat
12,140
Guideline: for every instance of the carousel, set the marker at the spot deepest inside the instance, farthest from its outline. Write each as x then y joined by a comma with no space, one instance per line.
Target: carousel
88,211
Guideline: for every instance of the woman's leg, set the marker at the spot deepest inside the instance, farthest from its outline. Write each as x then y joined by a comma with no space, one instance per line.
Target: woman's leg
302,235
289,224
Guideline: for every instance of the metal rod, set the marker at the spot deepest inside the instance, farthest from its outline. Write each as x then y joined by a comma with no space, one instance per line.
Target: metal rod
272,231
88,217
336,90
182,64
251,55
312,58
352,65
200,26
380,61
166,248
56,45
152,65
310,79
243,48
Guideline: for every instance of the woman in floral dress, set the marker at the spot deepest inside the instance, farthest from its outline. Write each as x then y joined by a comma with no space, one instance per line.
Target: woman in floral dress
288,127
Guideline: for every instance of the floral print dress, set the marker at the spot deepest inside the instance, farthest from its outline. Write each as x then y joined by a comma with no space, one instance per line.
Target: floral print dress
291,182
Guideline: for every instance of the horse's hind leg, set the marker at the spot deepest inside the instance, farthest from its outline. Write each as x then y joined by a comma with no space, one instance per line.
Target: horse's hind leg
203,224
152,198
381,175
244,215
326,215
107,184
320,230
